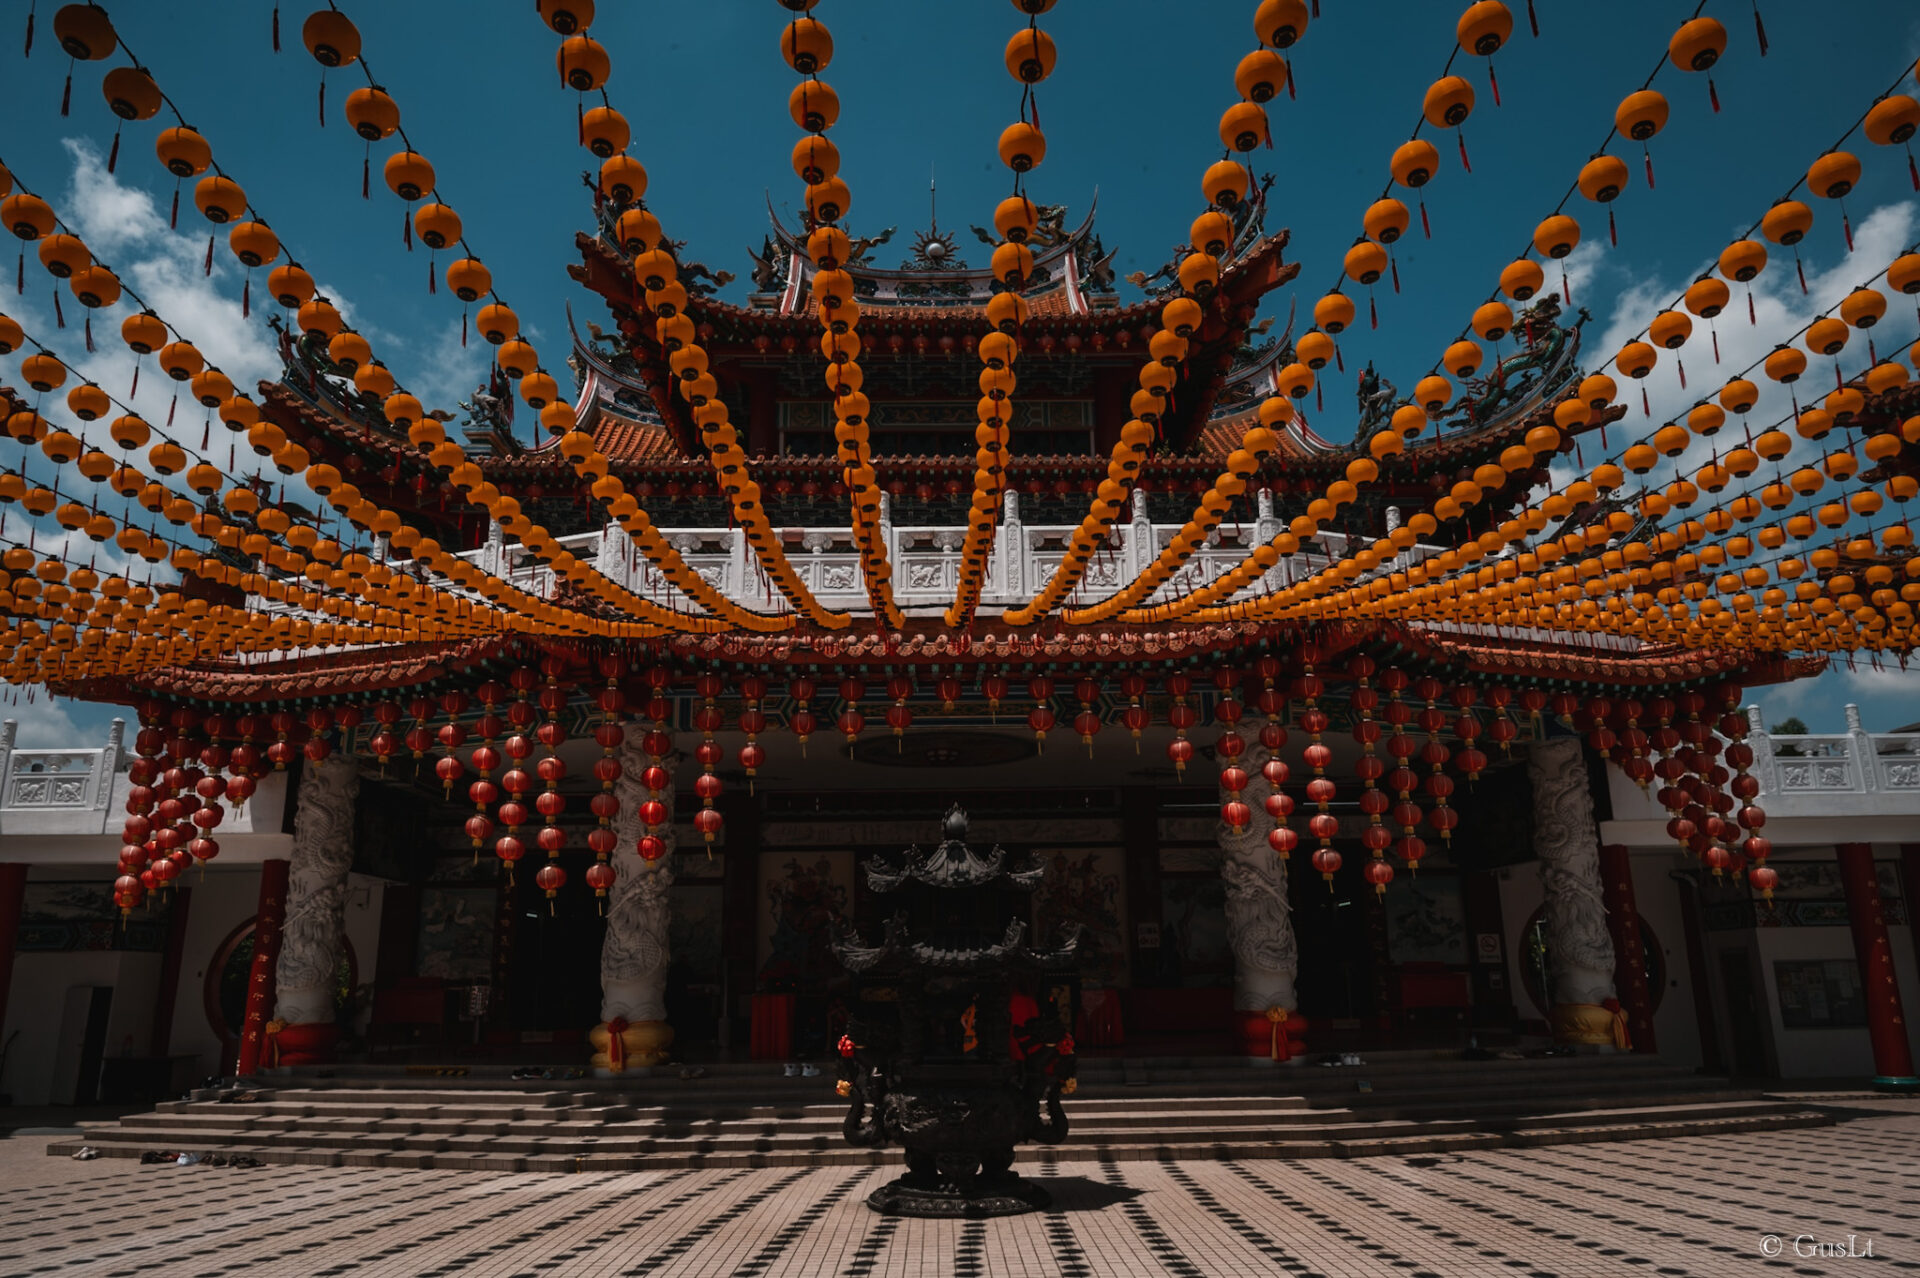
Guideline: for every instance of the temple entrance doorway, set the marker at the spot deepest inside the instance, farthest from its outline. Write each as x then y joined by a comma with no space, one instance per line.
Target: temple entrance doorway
1335,932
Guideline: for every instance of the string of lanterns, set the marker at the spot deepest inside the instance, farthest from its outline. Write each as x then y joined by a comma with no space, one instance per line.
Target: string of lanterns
585,65
815,107
1030,57
1225,185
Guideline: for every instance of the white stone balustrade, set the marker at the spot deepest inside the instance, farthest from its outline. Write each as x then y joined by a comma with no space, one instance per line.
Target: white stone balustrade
926,560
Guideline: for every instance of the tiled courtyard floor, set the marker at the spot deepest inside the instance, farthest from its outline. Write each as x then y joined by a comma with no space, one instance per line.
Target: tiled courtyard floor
1691,1206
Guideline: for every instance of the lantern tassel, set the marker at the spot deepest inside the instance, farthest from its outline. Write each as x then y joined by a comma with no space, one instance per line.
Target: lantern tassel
1713,95
1465,163
433,285
1715,334
276,28
1760,30
20,273
1373,315
1682,365
136,380
1801,271
406,228
1646,409
463,328
1393,268
113,153
1846,226
1426,227
1613,235
246,297
1533,20
1494,81
323,99
1339,362
66,94
59,318
1750,319
366,166
1291,95
1566,285
87,327
172,404
173,214
1319,402
28,51
1913,171
1649,155
206,434
209,268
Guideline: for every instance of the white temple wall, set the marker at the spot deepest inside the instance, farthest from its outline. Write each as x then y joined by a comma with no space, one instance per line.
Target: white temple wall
43,1062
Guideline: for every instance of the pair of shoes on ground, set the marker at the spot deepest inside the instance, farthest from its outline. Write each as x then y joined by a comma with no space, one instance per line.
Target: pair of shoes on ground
793,1069
235,1097
85,1154
691,1072
156,1156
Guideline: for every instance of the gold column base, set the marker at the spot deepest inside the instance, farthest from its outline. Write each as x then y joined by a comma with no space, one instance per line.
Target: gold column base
1585,1024
643,1043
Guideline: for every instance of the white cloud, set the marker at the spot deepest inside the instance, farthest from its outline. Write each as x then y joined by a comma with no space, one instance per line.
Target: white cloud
45,723
1779,310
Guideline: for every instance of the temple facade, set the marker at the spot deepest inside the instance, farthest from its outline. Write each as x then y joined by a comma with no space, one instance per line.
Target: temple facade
390,932
616,850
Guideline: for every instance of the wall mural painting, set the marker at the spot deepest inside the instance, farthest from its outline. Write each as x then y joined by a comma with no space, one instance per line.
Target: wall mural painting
693,930
1086,886
1808,894
1426,919
73,916
1193,950
804,896
456,933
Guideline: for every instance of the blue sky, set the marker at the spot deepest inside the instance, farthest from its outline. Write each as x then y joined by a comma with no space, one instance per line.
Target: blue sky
1131,111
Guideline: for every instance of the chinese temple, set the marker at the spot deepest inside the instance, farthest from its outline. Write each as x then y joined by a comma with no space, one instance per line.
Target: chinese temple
1339,715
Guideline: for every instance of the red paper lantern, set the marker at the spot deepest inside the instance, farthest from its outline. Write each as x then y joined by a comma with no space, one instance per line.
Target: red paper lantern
551,879
708,822
1379,873
651,847
1327,861
1282,840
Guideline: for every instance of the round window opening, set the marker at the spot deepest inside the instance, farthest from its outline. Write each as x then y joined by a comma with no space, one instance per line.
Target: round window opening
1536,963
226,988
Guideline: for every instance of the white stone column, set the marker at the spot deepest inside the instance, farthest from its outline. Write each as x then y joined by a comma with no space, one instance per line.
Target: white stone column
1259,920
1568,844
315,927
635,953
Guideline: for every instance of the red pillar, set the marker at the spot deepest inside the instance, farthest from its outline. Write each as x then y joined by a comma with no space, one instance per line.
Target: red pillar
13,891
1886,1024
1910,883
266,957
1629,951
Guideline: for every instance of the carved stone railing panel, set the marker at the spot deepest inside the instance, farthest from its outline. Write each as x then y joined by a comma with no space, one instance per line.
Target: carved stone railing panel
57,779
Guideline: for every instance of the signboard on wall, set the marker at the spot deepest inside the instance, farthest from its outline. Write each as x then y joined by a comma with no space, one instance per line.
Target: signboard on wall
1819,993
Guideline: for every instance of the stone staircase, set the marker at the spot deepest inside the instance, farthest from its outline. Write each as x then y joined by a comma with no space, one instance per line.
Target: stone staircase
750,1116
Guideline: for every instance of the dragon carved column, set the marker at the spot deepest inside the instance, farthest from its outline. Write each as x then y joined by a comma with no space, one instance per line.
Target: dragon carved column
1568,844
315,927
634,956
1259,920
